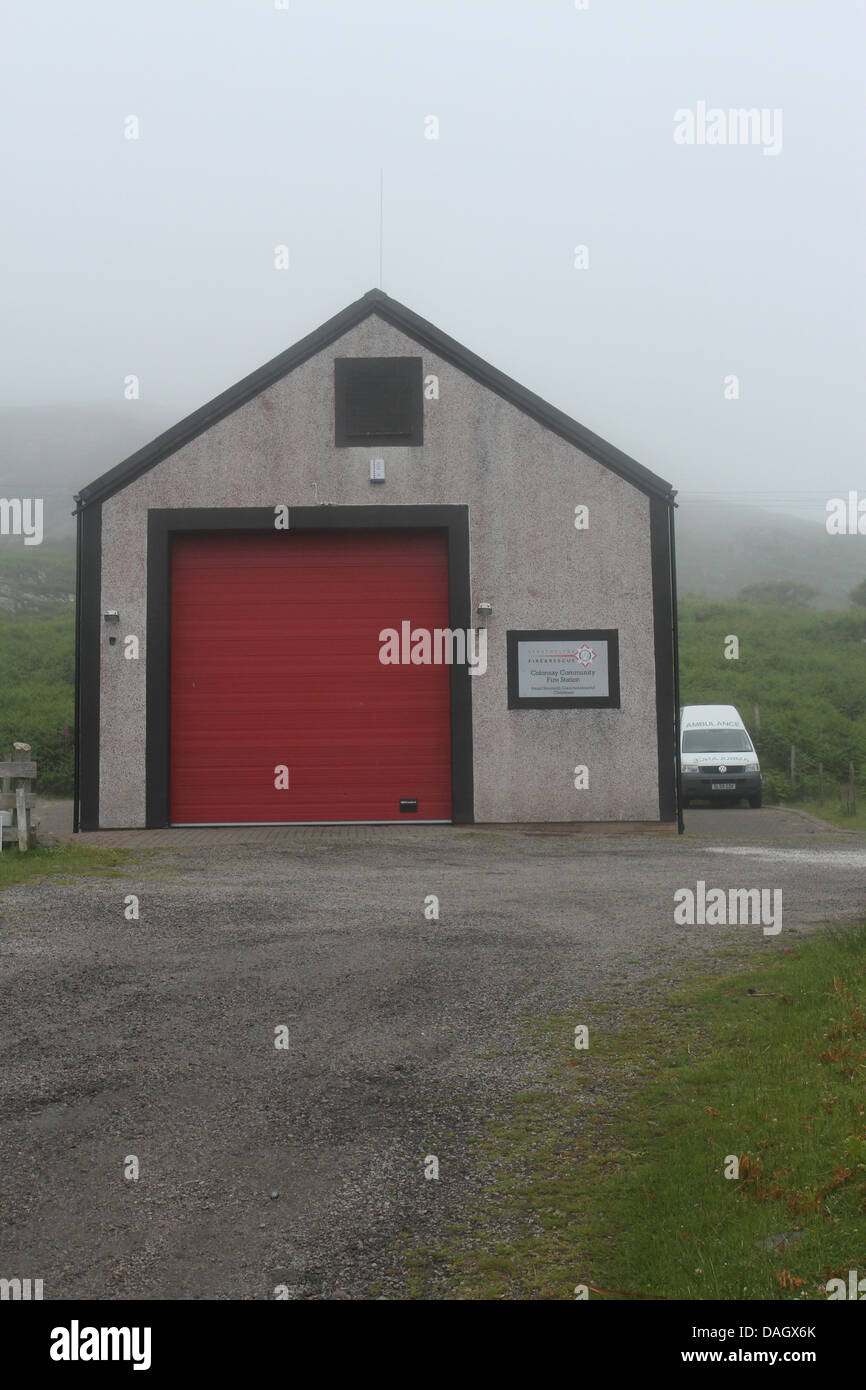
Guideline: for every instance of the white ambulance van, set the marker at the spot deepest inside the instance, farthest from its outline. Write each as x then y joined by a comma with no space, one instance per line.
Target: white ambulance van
718,759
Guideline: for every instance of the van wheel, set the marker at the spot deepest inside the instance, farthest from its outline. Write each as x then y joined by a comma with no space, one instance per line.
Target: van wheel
755,801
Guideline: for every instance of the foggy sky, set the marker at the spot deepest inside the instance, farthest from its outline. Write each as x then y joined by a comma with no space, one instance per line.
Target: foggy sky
261,126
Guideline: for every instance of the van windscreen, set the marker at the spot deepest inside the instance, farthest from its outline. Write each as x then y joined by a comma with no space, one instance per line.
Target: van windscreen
716,741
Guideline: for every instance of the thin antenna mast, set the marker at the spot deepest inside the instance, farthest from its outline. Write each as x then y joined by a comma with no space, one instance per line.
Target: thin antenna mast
381,221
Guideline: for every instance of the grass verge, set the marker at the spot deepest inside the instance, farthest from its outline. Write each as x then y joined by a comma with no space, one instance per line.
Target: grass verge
612,1174
16,867
835,813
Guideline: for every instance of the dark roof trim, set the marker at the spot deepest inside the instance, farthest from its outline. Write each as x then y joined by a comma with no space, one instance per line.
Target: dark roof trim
374,302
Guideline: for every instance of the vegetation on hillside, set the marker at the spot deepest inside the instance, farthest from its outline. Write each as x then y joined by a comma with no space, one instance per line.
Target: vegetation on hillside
723,547
787,593
37,579
37,694
805,670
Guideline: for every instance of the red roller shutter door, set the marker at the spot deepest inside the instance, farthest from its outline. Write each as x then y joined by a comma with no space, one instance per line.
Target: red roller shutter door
275,662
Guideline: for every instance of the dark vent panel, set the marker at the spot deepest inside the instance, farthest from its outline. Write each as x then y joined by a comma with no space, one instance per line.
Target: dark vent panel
379,401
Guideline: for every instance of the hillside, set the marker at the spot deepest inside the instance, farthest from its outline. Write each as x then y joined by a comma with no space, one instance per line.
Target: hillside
38,699
719,551
715,559
806,671
723,547
53,451
37,578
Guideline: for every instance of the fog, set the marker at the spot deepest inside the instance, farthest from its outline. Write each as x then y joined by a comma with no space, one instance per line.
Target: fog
260,127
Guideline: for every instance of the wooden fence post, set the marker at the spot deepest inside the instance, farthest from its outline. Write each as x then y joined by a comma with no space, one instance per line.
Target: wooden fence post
21,817
16,778
21,753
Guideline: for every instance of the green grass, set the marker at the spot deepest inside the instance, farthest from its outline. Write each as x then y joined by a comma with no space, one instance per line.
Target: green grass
819,704
38,698
628,1196
16,867
836,815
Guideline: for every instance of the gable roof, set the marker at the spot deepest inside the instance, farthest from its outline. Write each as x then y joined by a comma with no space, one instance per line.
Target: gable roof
374,302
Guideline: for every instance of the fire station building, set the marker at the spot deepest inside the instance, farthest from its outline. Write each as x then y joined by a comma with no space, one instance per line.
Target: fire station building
376,581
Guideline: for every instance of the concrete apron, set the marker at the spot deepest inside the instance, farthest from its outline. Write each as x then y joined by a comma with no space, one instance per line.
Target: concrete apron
56,826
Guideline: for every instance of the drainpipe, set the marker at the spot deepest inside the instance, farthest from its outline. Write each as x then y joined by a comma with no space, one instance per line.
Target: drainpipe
77,714
676,646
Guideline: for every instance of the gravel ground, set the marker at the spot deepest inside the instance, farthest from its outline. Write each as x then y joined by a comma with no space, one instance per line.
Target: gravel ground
303,1167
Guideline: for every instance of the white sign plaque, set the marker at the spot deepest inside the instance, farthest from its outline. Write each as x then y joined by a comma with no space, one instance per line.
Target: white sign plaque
558,669
562,670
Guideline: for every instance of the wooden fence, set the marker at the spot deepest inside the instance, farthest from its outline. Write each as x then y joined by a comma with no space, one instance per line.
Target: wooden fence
17,776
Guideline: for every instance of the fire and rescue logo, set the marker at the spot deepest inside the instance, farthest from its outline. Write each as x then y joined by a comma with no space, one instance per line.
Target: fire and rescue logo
584,654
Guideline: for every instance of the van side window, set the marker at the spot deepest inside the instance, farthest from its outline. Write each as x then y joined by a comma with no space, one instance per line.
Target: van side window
716,741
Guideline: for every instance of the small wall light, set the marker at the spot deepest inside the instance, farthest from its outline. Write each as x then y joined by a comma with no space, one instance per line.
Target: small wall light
485,610
112,616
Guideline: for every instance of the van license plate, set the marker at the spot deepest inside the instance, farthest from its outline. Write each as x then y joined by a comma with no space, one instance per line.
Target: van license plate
723,787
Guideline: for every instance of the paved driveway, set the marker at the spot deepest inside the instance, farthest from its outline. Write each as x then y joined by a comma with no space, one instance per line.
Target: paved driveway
155,1038
741,823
